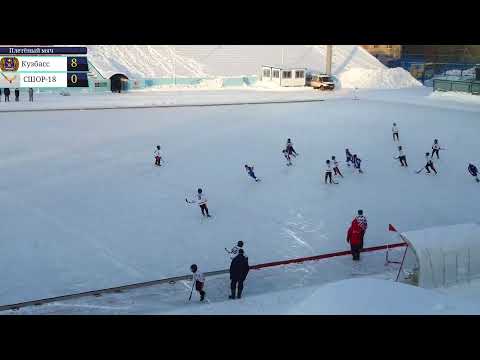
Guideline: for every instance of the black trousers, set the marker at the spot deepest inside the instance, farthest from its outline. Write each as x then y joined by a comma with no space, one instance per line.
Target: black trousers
395,134
435,151
328,175
403,160
336,171
7,98
355,249
204,209
233,287
431,167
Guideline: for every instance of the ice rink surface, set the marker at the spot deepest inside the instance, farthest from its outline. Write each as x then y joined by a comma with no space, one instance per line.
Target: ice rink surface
83,207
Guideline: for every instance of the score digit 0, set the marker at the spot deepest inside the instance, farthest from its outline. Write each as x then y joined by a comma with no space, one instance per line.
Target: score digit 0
77,79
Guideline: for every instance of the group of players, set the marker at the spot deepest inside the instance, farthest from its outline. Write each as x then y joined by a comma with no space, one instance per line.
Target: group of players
472,169
356,230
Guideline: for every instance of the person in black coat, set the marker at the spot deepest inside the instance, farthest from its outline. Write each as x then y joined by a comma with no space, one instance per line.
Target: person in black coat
0,94
238,273
17,94
6,92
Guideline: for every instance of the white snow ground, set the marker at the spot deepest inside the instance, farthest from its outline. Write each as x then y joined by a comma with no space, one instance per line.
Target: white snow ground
80,190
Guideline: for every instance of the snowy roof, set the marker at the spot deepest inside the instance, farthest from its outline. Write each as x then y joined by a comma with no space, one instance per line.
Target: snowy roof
285,67
447,238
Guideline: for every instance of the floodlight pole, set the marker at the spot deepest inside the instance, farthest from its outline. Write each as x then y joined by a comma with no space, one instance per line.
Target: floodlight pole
174,71
328,60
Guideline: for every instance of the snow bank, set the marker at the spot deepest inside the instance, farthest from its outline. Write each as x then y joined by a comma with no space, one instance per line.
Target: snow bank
368,296
455,96
359,296
383,78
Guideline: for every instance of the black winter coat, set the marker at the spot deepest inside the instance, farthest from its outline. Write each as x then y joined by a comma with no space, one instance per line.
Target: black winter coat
7,91
239,268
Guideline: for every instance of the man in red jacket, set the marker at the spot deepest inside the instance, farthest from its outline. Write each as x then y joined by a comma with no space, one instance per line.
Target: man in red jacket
354,237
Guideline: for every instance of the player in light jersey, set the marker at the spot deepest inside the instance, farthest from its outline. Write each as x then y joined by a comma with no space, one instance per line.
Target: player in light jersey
234,251
436,148
328,171
199,281
158,156
395,132
336,169
402,157
201,200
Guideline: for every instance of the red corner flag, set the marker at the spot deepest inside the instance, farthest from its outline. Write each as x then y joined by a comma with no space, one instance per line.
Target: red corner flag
391,228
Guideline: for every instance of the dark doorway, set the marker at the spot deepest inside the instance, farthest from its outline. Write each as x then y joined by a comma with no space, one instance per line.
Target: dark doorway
118,82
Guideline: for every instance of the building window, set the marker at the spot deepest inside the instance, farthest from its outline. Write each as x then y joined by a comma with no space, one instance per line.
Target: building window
287,74
266,73
276,74
299,74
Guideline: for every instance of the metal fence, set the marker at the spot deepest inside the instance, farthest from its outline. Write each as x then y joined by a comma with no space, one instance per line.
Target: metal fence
426,72
212,82
466,86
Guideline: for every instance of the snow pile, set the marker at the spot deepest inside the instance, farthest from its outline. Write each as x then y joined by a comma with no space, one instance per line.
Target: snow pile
377,78
142,61
353,63
368,296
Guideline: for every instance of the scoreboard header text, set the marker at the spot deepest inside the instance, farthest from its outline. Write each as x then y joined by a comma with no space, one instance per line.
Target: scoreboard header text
42,50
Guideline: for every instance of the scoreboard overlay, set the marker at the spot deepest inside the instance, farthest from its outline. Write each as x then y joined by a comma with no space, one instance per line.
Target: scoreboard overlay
43,67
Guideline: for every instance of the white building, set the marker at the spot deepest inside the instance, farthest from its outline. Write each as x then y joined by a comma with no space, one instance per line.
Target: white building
284,76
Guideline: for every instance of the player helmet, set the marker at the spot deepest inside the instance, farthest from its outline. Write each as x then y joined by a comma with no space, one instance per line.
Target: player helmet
240,243
199,190
158,147
194,267
333,157
360,212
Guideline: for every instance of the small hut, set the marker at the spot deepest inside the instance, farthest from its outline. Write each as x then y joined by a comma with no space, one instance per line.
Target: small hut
284,76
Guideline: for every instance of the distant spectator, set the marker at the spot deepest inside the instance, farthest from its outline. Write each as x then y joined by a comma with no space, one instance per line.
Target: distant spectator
30,94
6,91
0,95
239,269
17,94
